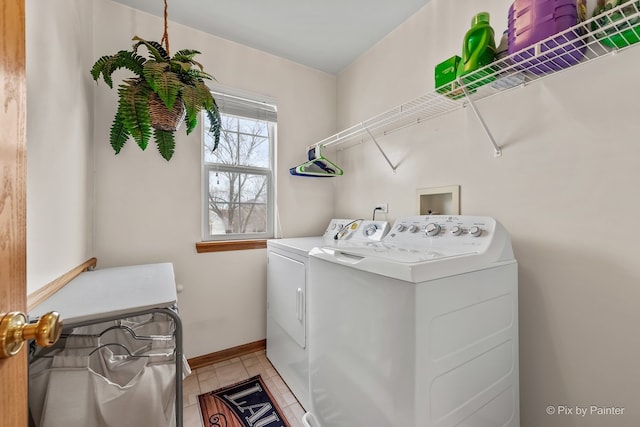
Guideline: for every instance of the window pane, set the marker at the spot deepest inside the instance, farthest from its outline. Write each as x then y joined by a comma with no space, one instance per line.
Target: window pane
254,218
254,151
219,187
217,223
254,127
229,122
237,203
253,188
243,142
227,151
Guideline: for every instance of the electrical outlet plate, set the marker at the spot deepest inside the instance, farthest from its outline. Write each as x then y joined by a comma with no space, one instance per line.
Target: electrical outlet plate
382,207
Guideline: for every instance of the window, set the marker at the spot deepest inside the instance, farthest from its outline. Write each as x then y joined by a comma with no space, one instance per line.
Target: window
238,175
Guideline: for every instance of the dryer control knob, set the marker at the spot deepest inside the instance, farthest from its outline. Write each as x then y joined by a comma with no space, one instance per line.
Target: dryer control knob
413,228
400,228
475,231
370,230
456,230
432,229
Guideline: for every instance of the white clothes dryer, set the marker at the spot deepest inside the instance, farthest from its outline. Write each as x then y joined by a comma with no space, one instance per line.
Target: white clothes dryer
287,278
418,330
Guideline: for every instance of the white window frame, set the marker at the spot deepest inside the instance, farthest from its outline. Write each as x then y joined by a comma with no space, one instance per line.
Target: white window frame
232,102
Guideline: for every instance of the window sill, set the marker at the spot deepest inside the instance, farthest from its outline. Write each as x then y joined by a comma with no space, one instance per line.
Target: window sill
230,245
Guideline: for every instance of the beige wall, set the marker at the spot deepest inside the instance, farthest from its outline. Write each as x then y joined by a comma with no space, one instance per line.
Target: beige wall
59,132
565,187
149,210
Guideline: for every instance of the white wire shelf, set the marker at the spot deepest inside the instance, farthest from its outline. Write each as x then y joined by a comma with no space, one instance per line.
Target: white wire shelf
602,35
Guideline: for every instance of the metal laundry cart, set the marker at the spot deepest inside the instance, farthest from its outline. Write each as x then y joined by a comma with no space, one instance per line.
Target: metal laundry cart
116,293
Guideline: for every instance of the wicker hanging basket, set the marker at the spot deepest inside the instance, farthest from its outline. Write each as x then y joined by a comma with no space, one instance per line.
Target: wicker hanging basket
162,118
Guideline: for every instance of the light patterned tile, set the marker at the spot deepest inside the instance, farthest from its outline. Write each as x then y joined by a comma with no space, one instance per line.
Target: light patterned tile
250,355
190,390
205,369
226,362
255,366
231,374
209,385
297,410
206,374
191,416
251,361
291,418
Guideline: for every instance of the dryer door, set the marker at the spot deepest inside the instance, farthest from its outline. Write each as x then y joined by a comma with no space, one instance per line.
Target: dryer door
286,290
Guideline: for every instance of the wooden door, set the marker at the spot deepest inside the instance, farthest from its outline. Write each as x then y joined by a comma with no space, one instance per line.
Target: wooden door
13,202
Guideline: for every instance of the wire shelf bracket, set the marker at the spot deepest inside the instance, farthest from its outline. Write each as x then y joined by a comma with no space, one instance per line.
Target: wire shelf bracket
496,147
393,167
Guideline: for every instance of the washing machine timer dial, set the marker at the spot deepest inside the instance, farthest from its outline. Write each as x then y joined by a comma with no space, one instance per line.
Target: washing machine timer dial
432,229
456,230
370,230
475,231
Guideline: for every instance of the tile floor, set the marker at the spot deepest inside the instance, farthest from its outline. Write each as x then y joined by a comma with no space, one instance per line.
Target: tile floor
231,371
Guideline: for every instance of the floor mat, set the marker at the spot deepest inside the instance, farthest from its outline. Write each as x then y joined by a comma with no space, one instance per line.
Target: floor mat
246,404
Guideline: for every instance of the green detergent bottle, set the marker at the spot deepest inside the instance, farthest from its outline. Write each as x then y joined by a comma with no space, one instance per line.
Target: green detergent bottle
478,50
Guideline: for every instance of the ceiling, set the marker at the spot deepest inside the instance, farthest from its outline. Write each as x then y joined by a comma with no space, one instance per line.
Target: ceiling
324,34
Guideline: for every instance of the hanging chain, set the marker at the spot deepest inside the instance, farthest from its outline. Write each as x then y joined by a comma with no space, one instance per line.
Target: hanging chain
165,36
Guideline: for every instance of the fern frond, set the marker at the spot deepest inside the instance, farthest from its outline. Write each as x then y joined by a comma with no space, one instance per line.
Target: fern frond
165,84
214,119
180,67
192,99
155,49
107,65
134,109
207,101
200,75
191,123
198,64
185,55
99,65
166,143
119,133
129,60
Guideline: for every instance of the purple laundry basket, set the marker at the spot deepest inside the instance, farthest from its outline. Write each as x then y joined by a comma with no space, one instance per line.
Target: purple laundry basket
531,21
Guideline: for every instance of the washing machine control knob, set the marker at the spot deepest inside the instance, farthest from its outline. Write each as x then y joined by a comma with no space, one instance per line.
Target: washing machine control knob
400,228
475,231
432,229
370,230
456,230
413,228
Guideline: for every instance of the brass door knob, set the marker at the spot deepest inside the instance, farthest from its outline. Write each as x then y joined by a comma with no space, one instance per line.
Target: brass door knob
14,331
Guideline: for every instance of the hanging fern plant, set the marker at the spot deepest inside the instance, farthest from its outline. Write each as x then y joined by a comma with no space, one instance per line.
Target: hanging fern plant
166,91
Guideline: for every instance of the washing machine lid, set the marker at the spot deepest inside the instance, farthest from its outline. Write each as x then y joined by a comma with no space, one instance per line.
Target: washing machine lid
423,248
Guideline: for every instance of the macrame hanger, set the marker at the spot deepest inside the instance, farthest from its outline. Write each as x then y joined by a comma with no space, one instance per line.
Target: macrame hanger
165,35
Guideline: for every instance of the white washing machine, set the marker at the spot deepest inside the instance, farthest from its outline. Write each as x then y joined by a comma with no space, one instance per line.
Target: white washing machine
287,277
418,330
